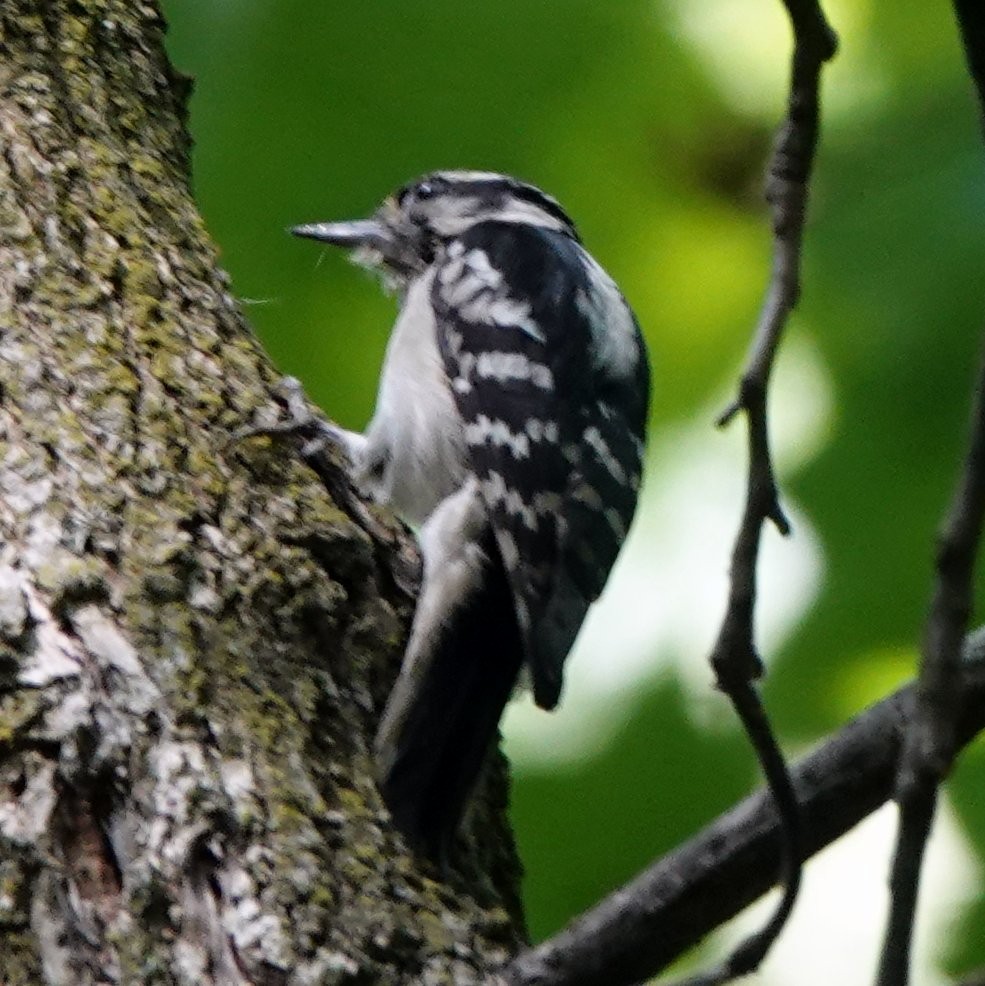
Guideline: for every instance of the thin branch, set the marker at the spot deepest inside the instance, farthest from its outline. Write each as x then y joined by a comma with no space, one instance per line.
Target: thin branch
642,927
786,190
735,658
930,741
751,952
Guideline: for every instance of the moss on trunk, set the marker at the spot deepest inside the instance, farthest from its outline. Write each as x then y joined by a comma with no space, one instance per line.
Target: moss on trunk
196,640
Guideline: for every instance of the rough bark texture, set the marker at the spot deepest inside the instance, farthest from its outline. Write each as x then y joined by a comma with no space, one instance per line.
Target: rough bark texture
195,639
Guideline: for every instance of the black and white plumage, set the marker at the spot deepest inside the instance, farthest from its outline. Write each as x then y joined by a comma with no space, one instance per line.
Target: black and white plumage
509,426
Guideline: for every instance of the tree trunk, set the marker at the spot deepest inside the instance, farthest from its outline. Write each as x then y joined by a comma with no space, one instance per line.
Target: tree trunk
196,638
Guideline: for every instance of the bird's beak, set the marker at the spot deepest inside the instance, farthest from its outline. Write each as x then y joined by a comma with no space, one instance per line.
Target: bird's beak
357,233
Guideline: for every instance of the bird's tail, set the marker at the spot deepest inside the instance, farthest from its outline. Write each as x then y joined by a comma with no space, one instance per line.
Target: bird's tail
443,713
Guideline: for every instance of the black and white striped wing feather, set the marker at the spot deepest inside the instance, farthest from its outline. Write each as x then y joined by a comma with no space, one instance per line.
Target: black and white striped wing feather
554,436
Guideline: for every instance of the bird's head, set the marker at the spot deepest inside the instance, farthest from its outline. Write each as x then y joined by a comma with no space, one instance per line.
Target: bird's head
403,236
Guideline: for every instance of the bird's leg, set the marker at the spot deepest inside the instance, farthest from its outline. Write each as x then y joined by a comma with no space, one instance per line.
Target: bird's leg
315,432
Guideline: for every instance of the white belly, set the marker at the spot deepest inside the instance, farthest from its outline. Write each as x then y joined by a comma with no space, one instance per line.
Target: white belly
415,446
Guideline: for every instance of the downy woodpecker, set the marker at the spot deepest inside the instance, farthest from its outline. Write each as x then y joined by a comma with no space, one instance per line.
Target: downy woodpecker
509,430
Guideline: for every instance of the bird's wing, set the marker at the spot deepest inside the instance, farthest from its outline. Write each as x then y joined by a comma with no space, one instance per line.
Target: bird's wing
546,441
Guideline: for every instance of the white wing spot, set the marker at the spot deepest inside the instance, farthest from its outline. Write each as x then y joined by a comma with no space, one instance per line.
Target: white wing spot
593,437
616,523
503,312
522,613
508,549
485,429
478,263
470,283
542,431
454,340
547,502
502,366
462,289
584,493
498,493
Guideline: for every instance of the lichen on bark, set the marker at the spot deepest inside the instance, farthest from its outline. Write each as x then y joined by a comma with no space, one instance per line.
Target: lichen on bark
196,640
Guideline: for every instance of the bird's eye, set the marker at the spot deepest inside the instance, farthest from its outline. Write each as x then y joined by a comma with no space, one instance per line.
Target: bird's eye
426,190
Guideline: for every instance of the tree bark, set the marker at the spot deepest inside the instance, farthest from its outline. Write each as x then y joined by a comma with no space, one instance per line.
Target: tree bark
196,637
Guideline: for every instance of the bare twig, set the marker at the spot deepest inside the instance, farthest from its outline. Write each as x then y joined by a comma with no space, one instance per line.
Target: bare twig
930,740
734,658
645,925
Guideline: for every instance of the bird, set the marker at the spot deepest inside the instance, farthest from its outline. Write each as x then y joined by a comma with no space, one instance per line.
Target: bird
509,432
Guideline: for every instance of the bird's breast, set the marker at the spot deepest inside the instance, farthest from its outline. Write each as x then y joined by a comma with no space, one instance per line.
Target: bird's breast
415,437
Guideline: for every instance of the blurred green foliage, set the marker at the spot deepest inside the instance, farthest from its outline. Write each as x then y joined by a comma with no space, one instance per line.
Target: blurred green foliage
650,122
